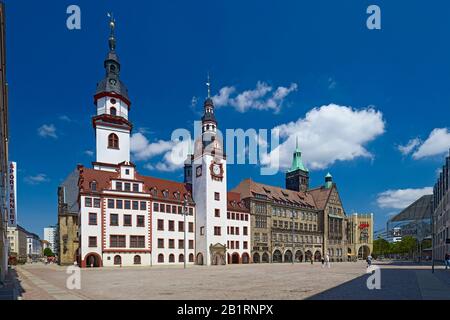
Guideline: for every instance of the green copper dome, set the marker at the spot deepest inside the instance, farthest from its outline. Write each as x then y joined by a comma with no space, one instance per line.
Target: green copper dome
297,163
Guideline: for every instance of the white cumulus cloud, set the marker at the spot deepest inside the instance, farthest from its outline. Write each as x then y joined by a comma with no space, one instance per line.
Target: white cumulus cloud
401,198
328,134
47,130
409,147
263,97
37,179
438,142
172,154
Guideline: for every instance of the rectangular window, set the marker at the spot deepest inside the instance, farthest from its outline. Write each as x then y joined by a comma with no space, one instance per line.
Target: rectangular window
127,186
216,196
237,244
217,231
168,208
245,231
140,221
191,211
232,244
174,209
245,245
96,202
217,213
137,241
237,230
238,216
119,204
180,244
92,219
156,207
143,205
162,207
180,210
127,204
180,226
160,224
160,243
135,187
114,219
111,203
191,227
202,231
119,186
116,241
127,220
92,242
246,217
231,230
228,215
88,202
135,205
171,225
171,244
191,244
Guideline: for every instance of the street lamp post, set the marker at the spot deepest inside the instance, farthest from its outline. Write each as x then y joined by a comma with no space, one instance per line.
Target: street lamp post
185,213
292,218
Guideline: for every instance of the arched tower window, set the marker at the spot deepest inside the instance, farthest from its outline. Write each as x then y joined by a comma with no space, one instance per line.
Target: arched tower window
113,111
113,141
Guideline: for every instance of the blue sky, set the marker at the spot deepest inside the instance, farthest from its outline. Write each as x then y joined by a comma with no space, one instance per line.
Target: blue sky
320,53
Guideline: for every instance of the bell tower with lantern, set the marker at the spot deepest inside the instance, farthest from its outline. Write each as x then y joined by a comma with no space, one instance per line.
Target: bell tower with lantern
111,124
209,186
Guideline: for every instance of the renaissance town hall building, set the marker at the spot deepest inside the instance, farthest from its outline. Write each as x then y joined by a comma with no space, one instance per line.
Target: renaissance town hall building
112,215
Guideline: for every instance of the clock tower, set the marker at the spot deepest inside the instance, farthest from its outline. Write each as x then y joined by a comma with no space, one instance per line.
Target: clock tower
209,187
111,124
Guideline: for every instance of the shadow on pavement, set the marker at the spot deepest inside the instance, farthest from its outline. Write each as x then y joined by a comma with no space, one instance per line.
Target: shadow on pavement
396,284
12,288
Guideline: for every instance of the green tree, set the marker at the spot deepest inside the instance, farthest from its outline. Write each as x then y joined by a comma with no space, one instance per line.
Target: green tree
381,247
48,252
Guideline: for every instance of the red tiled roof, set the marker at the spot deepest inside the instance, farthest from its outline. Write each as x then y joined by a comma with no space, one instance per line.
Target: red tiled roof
248,188
321,196
235,203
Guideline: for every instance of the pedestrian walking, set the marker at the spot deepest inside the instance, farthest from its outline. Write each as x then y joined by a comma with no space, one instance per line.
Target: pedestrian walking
447,260
369,261
323,262
327,260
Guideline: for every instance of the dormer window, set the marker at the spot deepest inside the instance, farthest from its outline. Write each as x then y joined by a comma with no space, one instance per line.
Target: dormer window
94,186
165,193
113,141
113,111
154,192
176,195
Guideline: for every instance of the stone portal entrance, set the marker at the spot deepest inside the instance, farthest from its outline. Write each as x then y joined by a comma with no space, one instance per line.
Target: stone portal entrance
217,252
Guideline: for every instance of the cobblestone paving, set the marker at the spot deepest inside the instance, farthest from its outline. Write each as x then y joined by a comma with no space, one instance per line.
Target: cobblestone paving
258,281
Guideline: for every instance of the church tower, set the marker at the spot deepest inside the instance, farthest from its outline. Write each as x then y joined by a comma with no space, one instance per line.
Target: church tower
297,178
111,124
209,187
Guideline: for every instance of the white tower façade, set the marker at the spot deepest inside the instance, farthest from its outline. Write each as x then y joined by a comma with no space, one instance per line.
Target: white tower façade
209,188
111,124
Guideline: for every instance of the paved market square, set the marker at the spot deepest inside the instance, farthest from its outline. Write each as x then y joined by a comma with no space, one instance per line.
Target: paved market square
253,281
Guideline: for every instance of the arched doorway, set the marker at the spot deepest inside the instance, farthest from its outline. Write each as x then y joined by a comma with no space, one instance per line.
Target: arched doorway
298,256
308,256
277,257
200,259
117,260
218,259
256,258
93,260
317,256
245,258
265,257
363,252
235,258
288,256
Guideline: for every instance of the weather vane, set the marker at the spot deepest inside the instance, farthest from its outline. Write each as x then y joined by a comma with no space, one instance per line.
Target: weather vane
112,25
208,84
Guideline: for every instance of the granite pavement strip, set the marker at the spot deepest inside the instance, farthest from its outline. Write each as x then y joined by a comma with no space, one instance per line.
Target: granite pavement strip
258,281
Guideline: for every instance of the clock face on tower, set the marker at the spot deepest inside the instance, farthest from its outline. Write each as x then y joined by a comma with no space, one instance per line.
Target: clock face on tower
198,171
216,170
